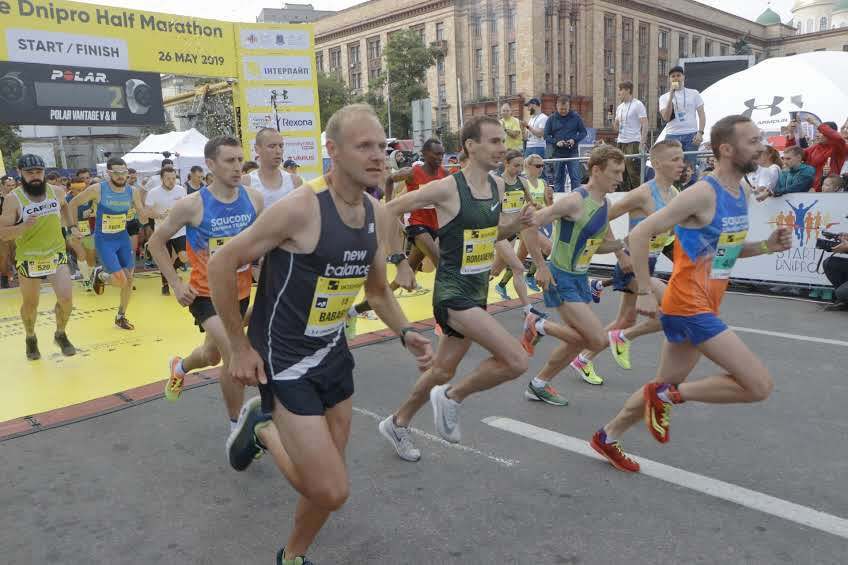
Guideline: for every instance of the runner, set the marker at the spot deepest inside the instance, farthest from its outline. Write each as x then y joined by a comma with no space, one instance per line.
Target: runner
711,219
423,225
32,217
270,180
160,201
7,248
114,199
209,218
133,221
320,246
668,162
470,223
83,248
581,228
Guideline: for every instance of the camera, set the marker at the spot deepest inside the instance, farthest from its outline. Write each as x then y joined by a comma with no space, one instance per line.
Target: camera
139,96
13,90
828,241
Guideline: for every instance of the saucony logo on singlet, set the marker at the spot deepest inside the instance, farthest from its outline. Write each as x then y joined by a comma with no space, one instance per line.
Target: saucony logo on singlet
242,219
734,221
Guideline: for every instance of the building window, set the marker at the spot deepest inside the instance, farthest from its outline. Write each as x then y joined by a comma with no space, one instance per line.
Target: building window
440,66
510,85
643,94
845,47
708,48
510,56
627,49
823,23
494,59
478,60
682,45
663,39
319,61
475,26
510,18
355,71
440,31
373,48
811,26
419,30
478,88
374,62
696,46
495,87
336,61
493,20
724,49
443,95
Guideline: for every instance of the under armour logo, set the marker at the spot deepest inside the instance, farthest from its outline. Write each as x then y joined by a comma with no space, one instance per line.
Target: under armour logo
751,104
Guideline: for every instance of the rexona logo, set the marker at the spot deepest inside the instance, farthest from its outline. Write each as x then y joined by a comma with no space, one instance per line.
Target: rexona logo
77,76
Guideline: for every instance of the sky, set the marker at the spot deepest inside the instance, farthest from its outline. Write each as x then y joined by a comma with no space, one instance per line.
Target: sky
247,10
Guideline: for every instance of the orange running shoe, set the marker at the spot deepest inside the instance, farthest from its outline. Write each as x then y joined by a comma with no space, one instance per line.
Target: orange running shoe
613,453
657,411
530,336
174,386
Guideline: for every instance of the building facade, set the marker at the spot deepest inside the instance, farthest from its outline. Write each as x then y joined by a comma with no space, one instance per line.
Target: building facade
292,14
496,51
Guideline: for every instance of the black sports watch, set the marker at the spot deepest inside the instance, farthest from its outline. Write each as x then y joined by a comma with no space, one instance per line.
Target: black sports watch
396,258
405,331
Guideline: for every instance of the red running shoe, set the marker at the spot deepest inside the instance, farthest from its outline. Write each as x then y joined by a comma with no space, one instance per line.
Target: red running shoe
530,337
658,412
613,453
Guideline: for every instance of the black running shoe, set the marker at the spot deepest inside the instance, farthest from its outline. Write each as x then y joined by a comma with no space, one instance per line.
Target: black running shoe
299,560
33,354
242,445
166,290
97,284
61,339
4,281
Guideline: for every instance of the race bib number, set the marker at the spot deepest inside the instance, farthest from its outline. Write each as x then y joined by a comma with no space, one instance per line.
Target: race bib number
84,228
727,252
658,243
478,250
585,258
42,266
513,201
330,303
113,223
216,243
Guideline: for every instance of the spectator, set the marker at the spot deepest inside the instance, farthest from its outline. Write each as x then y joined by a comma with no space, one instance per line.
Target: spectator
795,177
512,127
833,183
683,111
768,172
83,175
836,271
631,122
826,154
687,177
291,168
248,167
564,131
7,185
535,127
195,180
7,247
209,178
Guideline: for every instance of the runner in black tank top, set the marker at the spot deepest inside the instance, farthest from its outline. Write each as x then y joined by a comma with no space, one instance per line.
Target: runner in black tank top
321,247
469,208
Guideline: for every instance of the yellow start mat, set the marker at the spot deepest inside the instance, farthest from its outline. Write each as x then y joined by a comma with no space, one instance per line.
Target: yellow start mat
112,360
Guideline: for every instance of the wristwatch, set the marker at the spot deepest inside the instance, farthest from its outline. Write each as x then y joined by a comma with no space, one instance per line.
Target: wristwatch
396,258
405,331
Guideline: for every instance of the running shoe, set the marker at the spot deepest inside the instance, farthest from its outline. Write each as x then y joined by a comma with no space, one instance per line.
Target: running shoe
619,346
613,453
530,337
174,386
350,327
243,447
597,287
122,322
657,411
166,290
501,290
32,352
61,339
77,276
369,315
586,370
547,394
445,414
532,284
97,284
400,438
299,560
4,281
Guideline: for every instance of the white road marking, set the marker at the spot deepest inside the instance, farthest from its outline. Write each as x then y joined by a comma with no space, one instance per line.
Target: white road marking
440,441
719,489
791,336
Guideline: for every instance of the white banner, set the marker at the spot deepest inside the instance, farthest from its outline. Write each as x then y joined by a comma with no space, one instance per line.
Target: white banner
807,213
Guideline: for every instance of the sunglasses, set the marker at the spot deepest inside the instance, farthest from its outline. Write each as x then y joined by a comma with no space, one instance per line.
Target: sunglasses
537,166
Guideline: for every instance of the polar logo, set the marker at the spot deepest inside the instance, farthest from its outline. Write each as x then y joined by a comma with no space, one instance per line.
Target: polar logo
77,76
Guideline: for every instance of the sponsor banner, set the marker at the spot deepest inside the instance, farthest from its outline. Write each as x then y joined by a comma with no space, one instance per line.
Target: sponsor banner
109,37
65,95
284,121
280,97
301,150
806,214
277,68
274,39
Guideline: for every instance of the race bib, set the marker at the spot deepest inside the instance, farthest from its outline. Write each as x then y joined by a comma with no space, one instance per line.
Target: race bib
113,223
585,258
658,243
215,243
42,266
478,250
727,252
84,228
513,201
330,304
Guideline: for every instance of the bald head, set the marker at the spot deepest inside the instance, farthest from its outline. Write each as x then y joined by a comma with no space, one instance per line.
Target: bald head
269,148
267,135
351,114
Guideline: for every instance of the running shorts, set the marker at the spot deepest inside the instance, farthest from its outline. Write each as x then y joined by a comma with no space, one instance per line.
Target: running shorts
115,253
314,393
40,269
202,309
569,288
695,329
440,313
621,280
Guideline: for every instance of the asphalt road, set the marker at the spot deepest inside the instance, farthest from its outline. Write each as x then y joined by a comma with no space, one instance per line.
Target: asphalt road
150,484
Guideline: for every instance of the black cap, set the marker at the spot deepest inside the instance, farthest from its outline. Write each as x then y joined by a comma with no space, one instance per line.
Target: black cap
30,161
676,69
290,163
533,101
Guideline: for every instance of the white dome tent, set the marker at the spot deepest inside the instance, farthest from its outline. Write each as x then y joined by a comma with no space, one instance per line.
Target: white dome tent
768,92
185,149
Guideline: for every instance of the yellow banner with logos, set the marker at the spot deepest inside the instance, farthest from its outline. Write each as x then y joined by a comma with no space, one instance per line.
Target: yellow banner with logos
278,89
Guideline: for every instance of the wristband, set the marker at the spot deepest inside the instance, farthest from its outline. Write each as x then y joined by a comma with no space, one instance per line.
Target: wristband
404,331
764,248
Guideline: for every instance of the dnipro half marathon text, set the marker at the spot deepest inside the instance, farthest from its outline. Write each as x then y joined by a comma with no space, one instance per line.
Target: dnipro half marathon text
113,18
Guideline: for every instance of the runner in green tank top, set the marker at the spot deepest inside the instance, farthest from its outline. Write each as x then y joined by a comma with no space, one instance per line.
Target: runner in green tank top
32,217
581,229
471,220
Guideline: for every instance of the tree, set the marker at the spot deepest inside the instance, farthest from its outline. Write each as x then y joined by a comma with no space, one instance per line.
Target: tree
333,94
10,146
407,61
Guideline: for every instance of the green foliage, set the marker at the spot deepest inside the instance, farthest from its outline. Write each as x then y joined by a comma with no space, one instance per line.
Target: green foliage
10,145
333,94
450,140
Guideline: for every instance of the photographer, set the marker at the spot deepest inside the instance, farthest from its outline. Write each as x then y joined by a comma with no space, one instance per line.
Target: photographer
836,271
